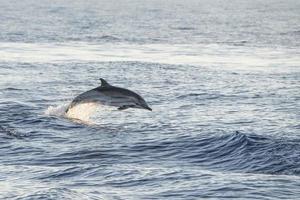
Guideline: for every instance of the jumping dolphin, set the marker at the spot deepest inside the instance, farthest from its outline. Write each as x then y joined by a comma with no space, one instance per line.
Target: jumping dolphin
107,94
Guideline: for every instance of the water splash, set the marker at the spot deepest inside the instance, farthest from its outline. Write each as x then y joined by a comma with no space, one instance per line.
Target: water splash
58,110
80,113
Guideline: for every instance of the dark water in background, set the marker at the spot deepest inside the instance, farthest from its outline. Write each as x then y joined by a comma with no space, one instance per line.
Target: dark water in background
222,78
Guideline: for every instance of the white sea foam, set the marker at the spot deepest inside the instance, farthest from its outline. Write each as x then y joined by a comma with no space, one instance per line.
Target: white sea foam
190,54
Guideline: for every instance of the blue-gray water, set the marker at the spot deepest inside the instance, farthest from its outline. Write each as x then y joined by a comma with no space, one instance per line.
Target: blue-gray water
222,77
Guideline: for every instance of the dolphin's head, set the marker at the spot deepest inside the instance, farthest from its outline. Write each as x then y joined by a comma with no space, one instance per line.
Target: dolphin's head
141,103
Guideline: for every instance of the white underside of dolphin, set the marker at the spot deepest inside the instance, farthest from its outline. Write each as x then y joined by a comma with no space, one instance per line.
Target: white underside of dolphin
110,95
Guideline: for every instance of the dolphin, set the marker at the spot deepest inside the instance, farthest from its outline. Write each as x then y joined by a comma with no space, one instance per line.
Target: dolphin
107,94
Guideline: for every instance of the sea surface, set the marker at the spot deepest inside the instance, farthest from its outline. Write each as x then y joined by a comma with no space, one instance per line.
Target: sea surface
222,78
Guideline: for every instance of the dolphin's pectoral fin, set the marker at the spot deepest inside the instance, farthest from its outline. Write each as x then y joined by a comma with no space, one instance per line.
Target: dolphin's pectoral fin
123,107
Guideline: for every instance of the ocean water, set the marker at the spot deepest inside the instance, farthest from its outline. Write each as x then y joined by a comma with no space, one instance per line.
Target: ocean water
222,78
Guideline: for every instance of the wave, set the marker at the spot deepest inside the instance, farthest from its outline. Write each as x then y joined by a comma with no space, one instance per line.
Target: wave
54,193
295,33
13,89
237,152
200,96
184,28
248,153
233,152
104,38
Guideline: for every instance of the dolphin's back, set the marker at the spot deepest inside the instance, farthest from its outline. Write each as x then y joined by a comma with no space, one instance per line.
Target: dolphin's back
117,91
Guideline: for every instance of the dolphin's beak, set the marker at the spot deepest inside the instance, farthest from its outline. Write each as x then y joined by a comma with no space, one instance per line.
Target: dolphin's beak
147,107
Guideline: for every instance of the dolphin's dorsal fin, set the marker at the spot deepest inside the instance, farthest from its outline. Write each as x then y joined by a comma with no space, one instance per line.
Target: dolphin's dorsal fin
104,83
